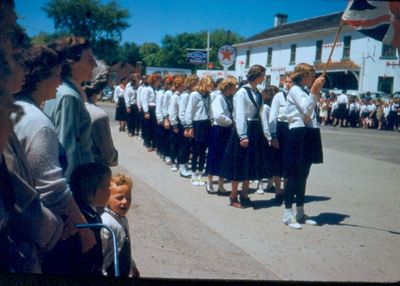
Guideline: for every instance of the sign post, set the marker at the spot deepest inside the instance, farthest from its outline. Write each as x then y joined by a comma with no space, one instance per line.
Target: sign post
197,56
226,57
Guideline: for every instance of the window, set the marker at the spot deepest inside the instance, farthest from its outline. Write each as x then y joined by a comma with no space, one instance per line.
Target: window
346,47
292,54
385,84
267,80
247,59
318,52
281,78
388,52
269,57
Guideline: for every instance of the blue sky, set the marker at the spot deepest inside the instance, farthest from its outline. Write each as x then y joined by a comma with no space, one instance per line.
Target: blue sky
151,20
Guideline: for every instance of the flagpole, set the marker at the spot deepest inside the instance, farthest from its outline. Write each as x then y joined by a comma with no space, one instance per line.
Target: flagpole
333,47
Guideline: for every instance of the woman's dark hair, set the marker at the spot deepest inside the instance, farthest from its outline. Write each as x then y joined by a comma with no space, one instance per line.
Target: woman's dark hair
92,88
271,90
71,49
10,34
86,179
39,62
300,71
254,72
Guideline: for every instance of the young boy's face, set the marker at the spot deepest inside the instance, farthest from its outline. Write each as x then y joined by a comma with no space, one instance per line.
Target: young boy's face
120,199
103,192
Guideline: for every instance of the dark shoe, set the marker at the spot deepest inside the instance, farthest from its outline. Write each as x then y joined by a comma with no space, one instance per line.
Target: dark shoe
235,203
246,202
223,192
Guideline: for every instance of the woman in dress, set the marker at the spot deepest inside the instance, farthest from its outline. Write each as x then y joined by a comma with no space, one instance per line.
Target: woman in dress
121,102
244,155
222,122
304,141
67,110
38,138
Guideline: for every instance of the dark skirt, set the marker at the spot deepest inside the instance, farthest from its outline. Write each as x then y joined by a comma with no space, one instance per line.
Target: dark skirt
342,111
241,164
278,166
202,130
120,112
304,147
219,137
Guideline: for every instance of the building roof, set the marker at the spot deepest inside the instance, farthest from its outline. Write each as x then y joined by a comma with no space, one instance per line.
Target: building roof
338,66
302,26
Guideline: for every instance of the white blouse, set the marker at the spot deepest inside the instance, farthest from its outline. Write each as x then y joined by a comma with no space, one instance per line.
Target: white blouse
300,104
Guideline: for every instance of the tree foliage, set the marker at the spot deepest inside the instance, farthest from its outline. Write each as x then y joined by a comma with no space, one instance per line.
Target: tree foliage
175,48
151,55
88,18
101,23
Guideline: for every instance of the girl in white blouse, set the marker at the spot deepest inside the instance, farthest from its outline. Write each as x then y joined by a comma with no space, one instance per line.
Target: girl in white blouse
304,140
197,117
244,155
221,109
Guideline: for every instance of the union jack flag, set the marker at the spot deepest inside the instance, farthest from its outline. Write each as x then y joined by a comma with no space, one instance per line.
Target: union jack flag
376,19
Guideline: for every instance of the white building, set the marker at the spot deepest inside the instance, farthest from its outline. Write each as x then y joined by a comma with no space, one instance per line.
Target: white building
358,62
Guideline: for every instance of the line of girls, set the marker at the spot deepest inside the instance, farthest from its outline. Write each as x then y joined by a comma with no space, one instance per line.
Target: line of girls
245,139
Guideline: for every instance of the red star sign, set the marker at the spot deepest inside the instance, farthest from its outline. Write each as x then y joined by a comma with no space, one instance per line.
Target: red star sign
226,55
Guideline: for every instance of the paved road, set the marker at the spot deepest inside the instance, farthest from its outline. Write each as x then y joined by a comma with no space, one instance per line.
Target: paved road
180,231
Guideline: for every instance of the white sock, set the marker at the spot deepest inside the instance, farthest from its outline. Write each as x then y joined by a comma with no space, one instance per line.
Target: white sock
287,214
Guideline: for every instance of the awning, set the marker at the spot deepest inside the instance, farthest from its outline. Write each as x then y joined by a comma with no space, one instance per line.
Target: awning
338,66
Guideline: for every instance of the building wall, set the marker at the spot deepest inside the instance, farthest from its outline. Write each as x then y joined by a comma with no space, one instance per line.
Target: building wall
365,52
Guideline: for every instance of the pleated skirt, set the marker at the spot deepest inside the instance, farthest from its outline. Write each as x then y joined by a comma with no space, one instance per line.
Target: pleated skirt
304,147
219,137
251,163
120,112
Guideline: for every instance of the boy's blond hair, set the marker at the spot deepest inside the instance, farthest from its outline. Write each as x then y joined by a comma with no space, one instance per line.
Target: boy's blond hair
121,179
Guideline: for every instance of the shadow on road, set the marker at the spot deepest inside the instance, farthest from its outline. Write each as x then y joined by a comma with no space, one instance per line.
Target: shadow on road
337,219
308,199
262,204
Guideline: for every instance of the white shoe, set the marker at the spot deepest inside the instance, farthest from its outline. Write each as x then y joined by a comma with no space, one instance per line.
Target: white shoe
167,160
306,220
194,180
174,168
183,171
292,223
200,181
210,189
260,191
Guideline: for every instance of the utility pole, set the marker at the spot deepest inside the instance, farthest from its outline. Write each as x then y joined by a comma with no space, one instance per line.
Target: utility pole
208,47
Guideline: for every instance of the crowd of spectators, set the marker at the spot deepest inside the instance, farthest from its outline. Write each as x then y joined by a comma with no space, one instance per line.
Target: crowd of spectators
347,110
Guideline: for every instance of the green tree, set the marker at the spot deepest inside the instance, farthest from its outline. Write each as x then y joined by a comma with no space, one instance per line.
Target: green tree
44,38
221,37
101,23
129,52
151,55
175,48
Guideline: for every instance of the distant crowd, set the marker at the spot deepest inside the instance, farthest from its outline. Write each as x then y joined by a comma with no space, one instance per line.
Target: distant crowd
351,111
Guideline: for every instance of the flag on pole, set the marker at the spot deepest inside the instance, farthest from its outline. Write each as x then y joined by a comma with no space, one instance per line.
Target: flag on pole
376,19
